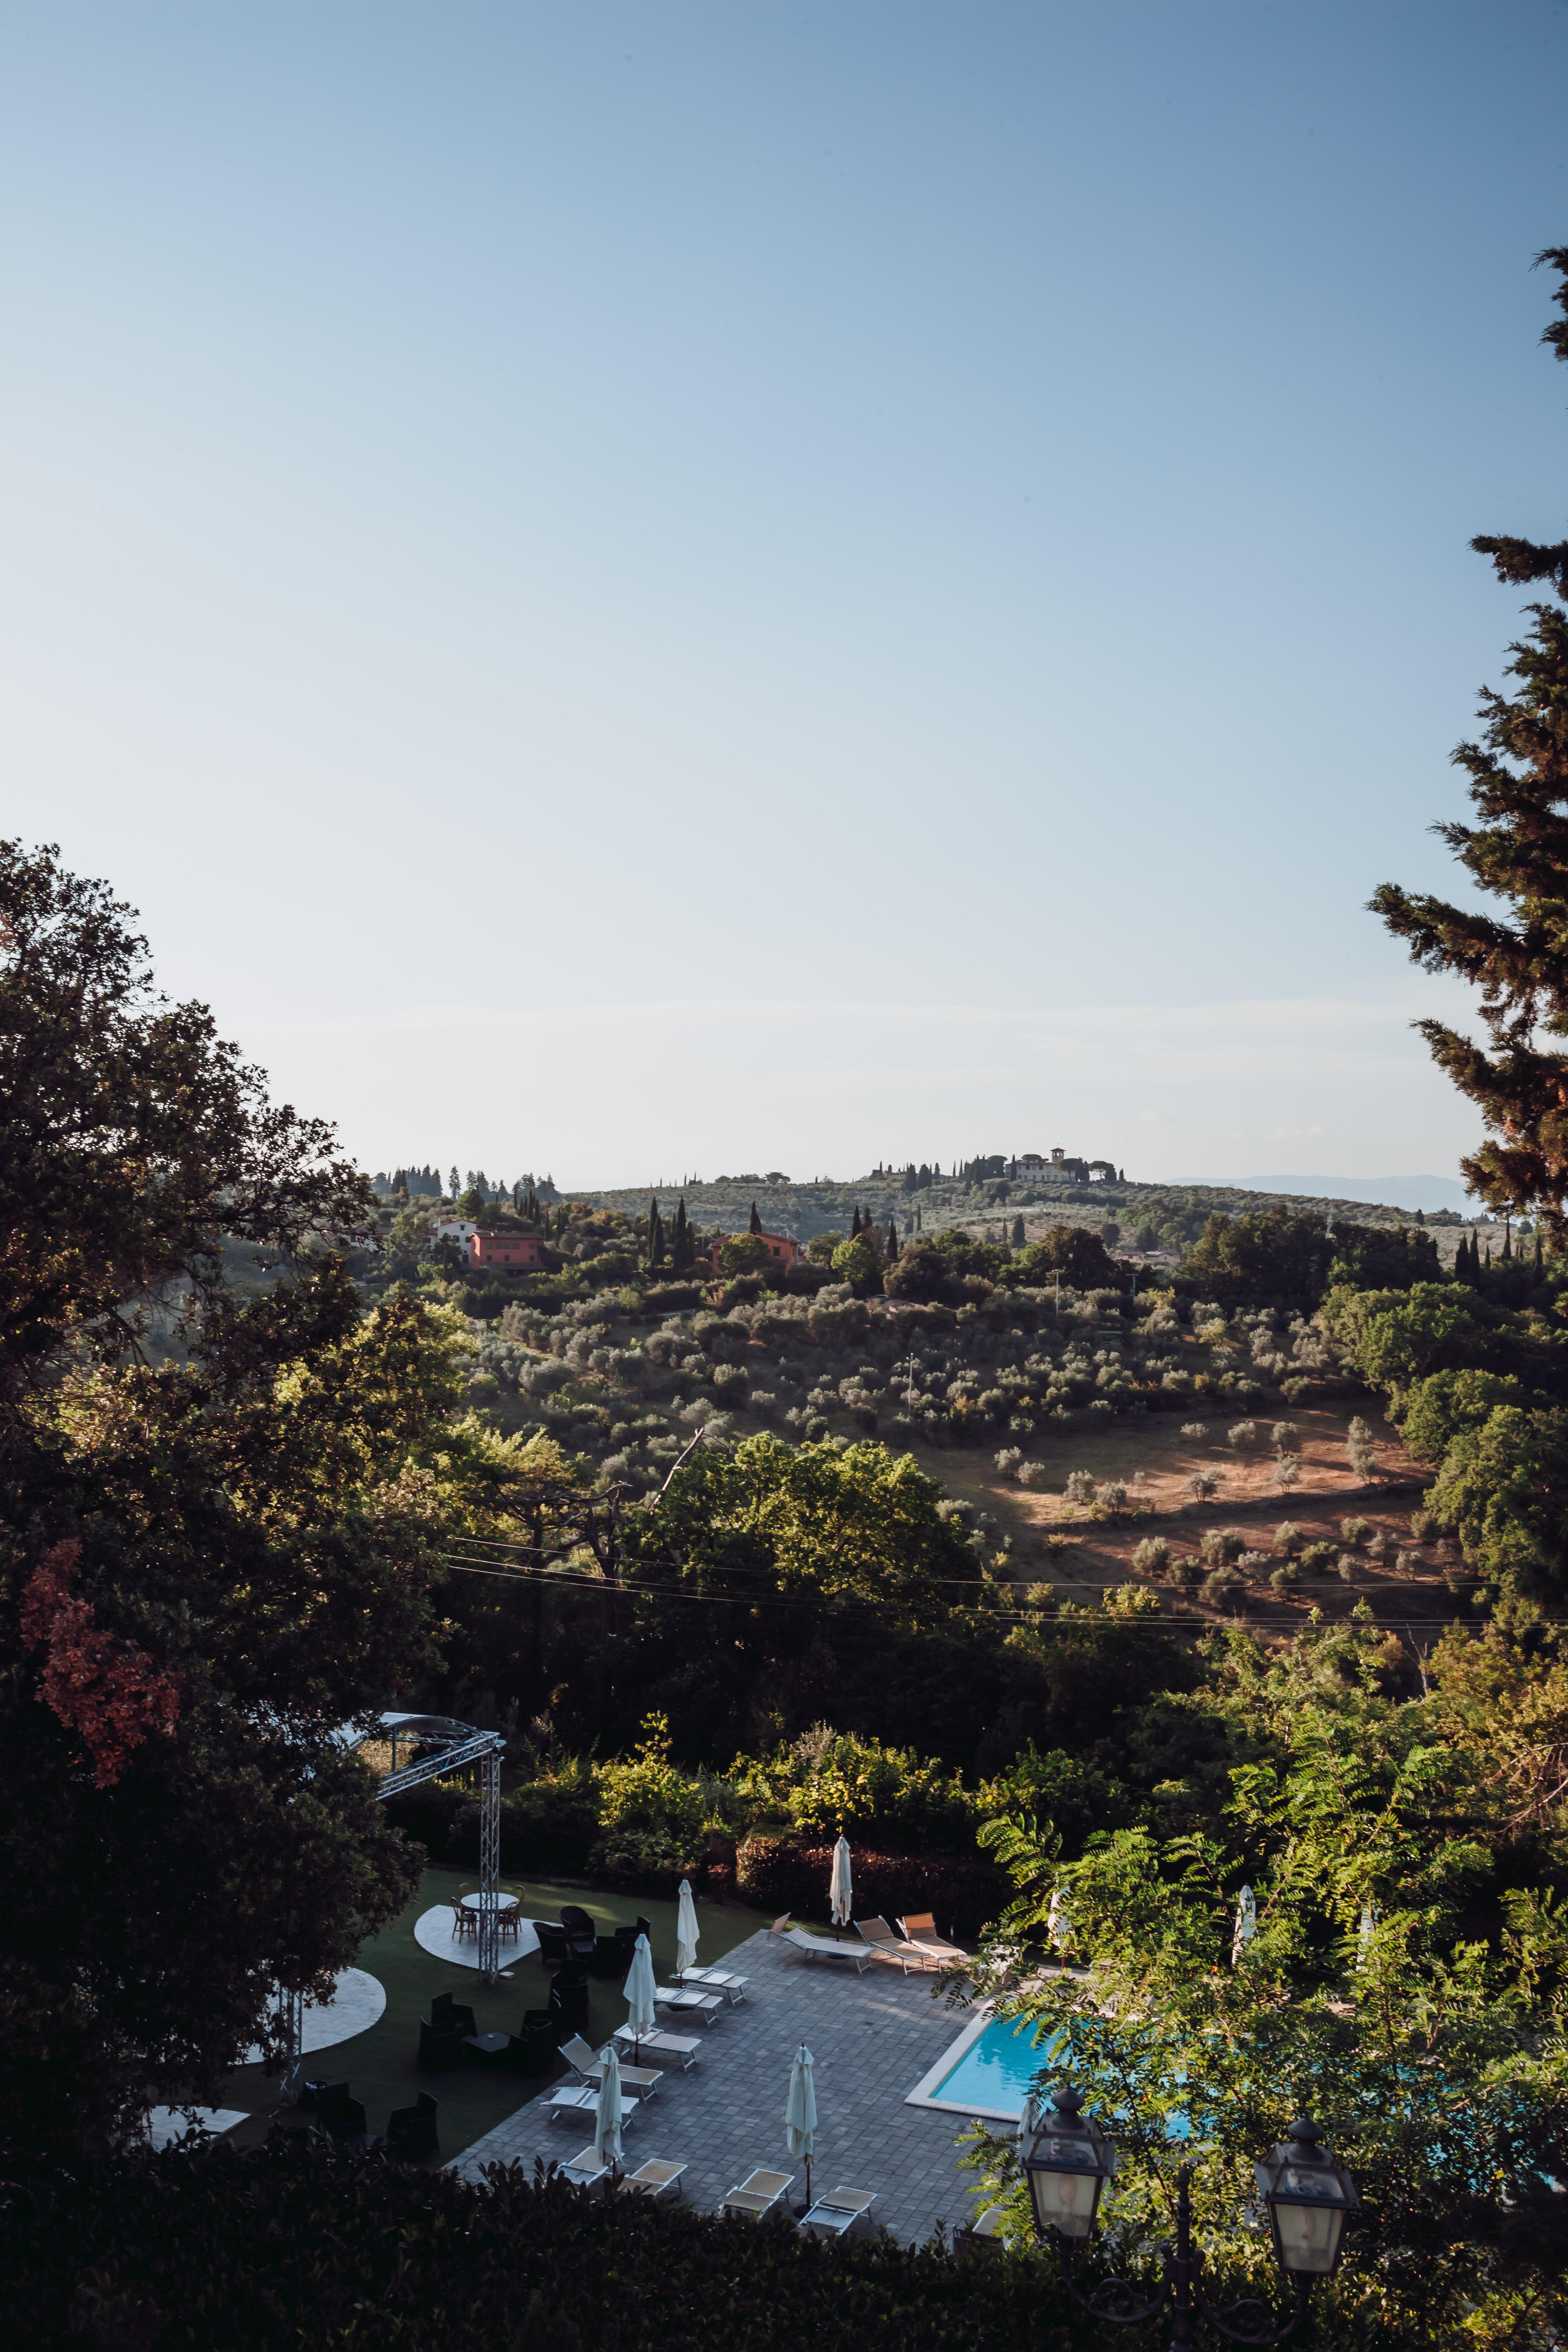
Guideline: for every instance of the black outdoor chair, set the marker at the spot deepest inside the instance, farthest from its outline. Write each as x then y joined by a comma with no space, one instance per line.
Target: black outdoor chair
316,2097
537,2043
552,1941
580,1935
344,2119
444,2011
440,2047
606,1959
569,1995
411,2131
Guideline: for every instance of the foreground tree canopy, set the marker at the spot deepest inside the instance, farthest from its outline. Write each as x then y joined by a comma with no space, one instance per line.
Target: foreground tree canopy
217,1486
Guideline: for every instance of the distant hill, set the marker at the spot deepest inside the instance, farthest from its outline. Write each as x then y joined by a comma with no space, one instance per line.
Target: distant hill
1424,1192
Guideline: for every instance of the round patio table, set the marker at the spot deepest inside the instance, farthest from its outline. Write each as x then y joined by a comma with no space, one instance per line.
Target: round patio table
496,1902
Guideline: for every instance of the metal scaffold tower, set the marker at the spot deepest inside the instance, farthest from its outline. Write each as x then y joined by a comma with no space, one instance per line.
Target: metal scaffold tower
448,1747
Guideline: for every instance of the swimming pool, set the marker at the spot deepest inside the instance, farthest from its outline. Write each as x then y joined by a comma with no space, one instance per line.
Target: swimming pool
986,2072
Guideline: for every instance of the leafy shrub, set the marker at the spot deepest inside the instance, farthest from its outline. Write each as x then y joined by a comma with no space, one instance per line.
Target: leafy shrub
1354,1530
1111,1497
964,1892
1221,1546
1202,1485
1187,1570
1255,1565
1286,1577
1348,1566
1195,1431
827,1781
1080,1488
1407,1563
139,2253
1224,1588
1241,1434
1421,1524
1287,1472
1152,1555
1288,1538
1318,1558
1286,1436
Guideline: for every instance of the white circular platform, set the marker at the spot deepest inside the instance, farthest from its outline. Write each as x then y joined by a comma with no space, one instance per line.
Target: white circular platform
167,2125
358,2000
432,1932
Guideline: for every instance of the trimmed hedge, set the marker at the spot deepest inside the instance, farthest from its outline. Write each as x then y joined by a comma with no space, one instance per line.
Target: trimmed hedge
299,2246
965,1893
549,1831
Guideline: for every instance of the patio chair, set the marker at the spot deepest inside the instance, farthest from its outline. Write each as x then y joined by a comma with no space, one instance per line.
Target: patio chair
315,2096
981,2237
818,1947
654,2179
761,2193
840,2212
675,2049
446,2012
888,1947
509,1915
588,2066
411,2131
584,2169
921,1928
582,1937
551,1938
440,2047
464,1922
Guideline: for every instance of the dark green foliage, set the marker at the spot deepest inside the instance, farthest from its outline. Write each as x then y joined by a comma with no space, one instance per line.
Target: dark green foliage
1075,1253
295,2246
1516,854
1272,1257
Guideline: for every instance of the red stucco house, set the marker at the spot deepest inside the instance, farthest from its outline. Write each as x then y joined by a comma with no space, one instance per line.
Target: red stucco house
517,1251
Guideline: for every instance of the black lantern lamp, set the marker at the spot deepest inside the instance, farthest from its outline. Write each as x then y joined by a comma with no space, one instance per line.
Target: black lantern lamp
1067,2165
1310,2198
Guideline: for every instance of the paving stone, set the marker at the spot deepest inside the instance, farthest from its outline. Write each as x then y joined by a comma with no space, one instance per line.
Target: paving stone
872,2037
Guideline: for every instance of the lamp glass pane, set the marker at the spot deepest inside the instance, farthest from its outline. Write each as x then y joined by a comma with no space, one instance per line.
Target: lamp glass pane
1309,2235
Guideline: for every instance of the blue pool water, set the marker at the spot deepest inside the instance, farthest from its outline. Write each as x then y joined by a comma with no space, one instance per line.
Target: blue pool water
996,2069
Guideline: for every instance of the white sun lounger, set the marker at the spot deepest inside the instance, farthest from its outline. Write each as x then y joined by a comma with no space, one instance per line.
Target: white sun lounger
582,2099
817,1947
920,1928
840,2211
654,2179
705,2005
676,2049
758,2193
588,2064
584,2169
718,1981
882,1941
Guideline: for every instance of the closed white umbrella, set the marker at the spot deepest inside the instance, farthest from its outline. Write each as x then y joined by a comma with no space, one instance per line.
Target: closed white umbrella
838,1888
607,2113
1246,1925
800,2111
639,1991
686,1930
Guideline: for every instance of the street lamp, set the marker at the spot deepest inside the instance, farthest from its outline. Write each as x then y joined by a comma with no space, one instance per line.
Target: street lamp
1308,2197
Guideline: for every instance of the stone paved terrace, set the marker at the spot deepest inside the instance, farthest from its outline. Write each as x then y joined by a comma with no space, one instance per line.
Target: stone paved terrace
872,2038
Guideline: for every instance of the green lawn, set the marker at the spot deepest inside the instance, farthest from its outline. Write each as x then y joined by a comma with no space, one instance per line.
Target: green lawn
379,2065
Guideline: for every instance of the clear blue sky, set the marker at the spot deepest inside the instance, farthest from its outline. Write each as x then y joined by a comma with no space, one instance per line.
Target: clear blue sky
633,589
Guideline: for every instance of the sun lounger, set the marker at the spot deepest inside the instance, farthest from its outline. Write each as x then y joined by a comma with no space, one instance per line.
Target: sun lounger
921,1928
584,2169
888,1947
758,2193
654,2179
718,1981
818,1947
676,2049
705,2005
588,2066
840,2211
582,2100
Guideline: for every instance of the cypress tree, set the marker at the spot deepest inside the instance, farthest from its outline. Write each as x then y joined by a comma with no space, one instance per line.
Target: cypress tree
680,1245
1517,852
655,1236
855,1224
1017,1233
1539,1269
1507,1240
756,1221
892,1240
